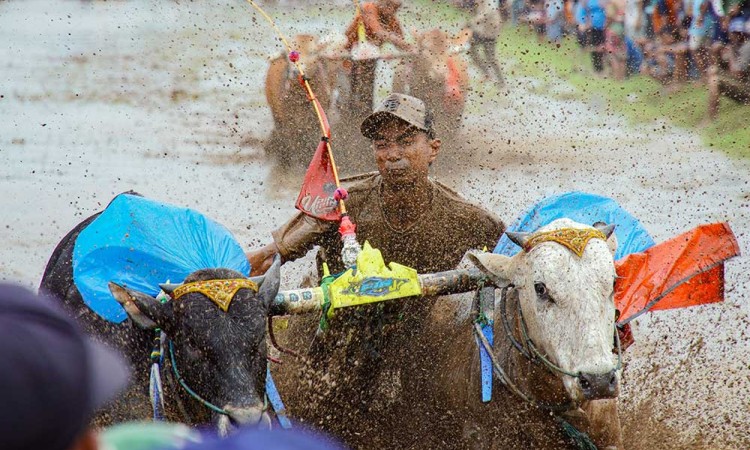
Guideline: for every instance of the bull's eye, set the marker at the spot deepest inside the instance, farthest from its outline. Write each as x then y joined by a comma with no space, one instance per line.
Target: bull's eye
541,292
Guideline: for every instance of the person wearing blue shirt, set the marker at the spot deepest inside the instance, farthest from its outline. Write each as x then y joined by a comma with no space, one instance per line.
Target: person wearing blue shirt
591,20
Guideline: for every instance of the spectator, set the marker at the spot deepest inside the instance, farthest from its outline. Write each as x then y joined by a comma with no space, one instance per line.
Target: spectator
731,75
485,27
555,20
664,57
634,24
53,377
614,39
591,20
700,33
664,14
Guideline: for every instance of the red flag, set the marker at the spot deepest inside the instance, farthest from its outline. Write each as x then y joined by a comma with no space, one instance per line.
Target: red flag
316,197
686,270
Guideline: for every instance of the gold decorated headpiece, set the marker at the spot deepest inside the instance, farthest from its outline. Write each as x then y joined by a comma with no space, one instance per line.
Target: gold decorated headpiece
575,239
220,292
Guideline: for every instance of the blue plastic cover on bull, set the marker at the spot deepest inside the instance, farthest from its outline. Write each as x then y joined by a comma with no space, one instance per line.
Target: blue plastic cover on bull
584,208
139,243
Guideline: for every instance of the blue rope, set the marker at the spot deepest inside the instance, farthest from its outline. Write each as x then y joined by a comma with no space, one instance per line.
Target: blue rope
581,440
272,395
184,385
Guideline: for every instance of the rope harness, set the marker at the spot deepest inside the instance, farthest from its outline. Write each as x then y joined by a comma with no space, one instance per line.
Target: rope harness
220,292
531,353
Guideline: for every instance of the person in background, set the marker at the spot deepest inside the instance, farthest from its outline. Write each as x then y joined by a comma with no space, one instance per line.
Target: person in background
53,378
699,34
381,26
635,34
485,27
666,57
591,21
614,45
664,14
730,76
555,20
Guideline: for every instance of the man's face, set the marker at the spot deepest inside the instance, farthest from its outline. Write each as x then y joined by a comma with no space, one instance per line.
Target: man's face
403,153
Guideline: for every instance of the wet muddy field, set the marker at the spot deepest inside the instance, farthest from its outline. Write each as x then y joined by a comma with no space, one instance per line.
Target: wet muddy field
166,98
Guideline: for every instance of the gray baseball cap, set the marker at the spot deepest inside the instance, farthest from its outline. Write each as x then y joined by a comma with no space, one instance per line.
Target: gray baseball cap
405,107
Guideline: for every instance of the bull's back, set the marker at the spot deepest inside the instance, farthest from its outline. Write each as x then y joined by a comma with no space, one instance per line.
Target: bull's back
57,280
58,283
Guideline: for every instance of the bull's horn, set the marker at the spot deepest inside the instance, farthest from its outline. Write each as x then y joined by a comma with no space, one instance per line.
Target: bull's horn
258,280
168,288
607,230
519,239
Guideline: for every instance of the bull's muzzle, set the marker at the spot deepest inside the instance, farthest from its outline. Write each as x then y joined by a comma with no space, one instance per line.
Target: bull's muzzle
597,386
243,416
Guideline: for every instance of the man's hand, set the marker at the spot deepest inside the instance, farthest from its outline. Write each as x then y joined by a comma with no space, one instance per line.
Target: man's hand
260,260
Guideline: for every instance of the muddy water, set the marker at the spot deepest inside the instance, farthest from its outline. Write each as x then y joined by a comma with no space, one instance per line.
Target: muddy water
167,99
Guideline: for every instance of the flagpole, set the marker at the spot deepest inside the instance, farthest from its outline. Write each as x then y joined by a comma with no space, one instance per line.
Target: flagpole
347,228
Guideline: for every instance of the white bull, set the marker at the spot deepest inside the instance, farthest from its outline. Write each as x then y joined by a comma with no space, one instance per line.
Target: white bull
563,316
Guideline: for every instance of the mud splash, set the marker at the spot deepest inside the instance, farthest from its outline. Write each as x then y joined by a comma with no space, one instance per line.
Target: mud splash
98,98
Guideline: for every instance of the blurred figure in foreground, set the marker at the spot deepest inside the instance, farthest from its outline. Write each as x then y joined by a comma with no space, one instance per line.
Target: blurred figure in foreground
485,27
252,439
148,436
53,378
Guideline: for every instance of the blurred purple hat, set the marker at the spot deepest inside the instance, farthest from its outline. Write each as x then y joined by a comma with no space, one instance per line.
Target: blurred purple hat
253,439
52,377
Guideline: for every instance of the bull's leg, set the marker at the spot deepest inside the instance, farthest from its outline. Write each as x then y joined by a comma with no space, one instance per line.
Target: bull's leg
603,423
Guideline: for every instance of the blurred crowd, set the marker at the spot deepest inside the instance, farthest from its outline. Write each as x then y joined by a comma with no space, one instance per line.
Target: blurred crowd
673,41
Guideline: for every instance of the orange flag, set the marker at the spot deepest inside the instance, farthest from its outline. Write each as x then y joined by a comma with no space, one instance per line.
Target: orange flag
686,270
316,196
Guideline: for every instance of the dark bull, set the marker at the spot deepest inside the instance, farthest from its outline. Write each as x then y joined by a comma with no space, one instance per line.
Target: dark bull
220,355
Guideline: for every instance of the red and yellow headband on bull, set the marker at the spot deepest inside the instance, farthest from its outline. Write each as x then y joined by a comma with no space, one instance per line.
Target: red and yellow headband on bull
221,292
574,239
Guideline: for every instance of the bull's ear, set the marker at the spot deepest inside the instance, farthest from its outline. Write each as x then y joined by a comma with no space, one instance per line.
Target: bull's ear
498,267
145,311
271,281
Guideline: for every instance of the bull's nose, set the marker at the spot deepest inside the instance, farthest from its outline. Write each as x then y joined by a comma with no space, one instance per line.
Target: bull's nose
242,416
245,415
598,385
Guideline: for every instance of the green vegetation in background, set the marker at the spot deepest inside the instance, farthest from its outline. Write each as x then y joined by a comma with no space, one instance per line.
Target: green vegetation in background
639,98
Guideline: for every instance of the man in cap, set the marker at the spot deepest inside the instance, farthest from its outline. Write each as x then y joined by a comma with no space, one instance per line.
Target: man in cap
52,377
412,220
